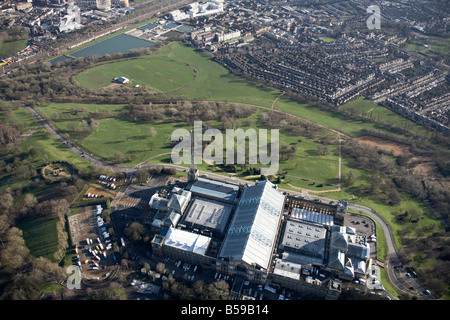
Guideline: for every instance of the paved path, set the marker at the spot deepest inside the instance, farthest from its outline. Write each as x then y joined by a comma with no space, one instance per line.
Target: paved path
396,274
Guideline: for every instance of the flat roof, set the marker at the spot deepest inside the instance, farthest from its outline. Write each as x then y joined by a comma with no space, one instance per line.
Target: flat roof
217,189
187,241
305,237
148,26
208,213
287,268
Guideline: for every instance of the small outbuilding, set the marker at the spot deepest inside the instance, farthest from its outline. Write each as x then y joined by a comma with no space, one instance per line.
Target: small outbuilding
123,80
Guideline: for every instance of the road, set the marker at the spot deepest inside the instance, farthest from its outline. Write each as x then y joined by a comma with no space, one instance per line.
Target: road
396,273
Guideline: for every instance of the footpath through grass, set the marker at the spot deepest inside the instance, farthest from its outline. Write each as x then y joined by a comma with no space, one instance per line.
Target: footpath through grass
214,82
172,65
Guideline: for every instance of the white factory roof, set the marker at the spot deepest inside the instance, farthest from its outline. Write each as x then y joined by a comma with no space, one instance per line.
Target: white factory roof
188,241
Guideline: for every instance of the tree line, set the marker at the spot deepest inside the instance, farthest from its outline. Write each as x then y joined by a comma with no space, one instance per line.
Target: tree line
386,176
188,111
28,275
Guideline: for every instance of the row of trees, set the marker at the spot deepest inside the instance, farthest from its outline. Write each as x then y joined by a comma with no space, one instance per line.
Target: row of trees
218,290
183,290
188,111
23,275
26,275
386,177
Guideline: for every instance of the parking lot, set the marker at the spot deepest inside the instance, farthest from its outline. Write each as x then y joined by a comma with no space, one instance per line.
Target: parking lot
94,253
82,225
131,204
364,226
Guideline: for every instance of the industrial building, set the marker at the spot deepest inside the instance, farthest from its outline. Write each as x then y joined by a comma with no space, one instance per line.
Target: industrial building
72,20
257,233
198,9
247,250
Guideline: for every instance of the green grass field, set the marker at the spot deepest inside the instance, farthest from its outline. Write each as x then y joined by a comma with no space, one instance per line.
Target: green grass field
41,237
133,140
130,139
367,108
328,39
50,149
158,74
432,46
216,83
62,113
7,49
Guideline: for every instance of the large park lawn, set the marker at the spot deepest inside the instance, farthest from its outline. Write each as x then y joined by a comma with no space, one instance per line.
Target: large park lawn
162,75
134,141
172,67
214,82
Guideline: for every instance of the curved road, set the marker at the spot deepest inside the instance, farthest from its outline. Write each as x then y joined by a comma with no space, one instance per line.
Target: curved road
397,275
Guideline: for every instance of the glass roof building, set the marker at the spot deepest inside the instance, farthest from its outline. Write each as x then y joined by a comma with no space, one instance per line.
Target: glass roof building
215,189
254,228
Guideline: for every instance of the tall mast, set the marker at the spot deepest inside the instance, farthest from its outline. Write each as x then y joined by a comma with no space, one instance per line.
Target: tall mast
193,172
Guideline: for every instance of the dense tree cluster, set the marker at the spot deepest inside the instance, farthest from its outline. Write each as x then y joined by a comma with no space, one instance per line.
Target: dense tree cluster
199,290
188,111
420,250
26,276
8,134
386,178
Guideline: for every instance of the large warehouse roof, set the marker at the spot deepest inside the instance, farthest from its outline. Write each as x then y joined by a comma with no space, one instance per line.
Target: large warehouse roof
252,233
209,214
305,237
